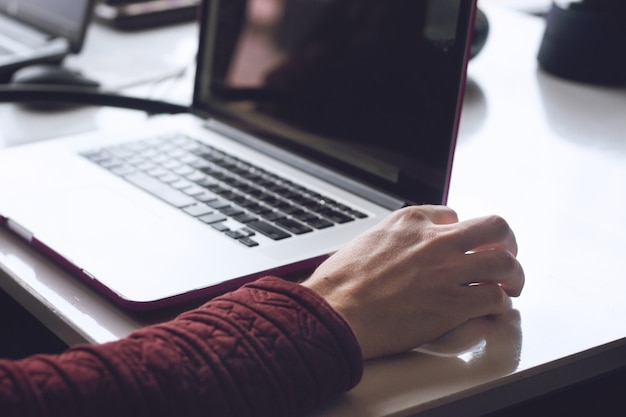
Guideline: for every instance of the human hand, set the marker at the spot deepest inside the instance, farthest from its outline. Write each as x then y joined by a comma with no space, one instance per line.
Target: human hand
418,274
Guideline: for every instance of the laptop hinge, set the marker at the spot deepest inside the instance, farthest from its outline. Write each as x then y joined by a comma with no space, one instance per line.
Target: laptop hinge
334,178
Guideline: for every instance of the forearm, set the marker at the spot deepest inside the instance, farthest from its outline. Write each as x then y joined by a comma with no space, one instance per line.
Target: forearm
270,349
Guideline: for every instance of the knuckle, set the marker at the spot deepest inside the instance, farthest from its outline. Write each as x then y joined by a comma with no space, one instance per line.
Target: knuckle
492,298
407,218
506,267
505,260
494,295
425,212
498,224
413,213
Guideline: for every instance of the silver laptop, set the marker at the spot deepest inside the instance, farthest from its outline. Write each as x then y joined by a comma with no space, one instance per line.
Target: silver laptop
310,122
34,31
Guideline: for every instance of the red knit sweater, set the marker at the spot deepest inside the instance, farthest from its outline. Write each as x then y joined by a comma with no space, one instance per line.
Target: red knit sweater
272,348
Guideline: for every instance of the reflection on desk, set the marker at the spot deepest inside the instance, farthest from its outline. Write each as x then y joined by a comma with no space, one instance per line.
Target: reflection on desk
482,350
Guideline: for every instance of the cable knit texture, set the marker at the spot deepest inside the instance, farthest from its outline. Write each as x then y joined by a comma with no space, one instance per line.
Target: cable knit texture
271,348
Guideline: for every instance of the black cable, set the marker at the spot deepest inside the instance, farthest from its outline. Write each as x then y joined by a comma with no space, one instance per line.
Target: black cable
42,94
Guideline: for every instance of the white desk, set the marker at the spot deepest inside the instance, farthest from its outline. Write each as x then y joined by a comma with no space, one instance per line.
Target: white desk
548,155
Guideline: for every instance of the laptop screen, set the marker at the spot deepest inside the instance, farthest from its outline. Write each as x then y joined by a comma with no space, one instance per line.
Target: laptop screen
61,18
368,88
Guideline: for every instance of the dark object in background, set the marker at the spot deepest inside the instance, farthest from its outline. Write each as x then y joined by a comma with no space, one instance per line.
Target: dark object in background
586,41
481,32
48,74
144,14
44,75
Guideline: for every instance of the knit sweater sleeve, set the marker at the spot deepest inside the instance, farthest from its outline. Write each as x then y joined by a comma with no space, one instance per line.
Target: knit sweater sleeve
271,348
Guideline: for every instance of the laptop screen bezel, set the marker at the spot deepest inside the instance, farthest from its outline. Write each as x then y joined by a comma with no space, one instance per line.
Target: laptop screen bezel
253,134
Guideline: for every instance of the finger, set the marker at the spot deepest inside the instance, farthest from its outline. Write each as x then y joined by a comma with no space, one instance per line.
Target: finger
437,214
486,300
496,267
443,215
490,232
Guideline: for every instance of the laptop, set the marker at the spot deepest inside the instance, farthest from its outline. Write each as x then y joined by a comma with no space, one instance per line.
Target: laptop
34,31
311,121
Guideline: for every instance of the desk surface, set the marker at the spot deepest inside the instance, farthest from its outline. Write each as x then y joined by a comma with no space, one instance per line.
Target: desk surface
545,153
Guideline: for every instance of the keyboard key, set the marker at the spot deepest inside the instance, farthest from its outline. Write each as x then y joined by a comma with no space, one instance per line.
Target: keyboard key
218,204
335,215
154,170
302,215
244,217
123,170
168,177
231,211
319,223
198,209
257,208
234,234
212,218
293,226
247,232
248,242
160,190
357,214
272,216
268,230
181,184
220,226
193,190
205,196
195,176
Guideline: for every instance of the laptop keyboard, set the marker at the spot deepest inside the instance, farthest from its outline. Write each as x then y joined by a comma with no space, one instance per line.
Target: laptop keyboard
214,186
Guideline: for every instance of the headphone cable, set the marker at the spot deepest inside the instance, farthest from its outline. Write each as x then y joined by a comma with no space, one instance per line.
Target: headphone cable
42,94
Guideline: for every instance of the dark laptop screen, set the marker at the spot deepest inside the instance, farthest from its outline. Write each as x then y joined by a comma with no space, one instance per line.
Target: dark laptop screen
60,18
369,88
